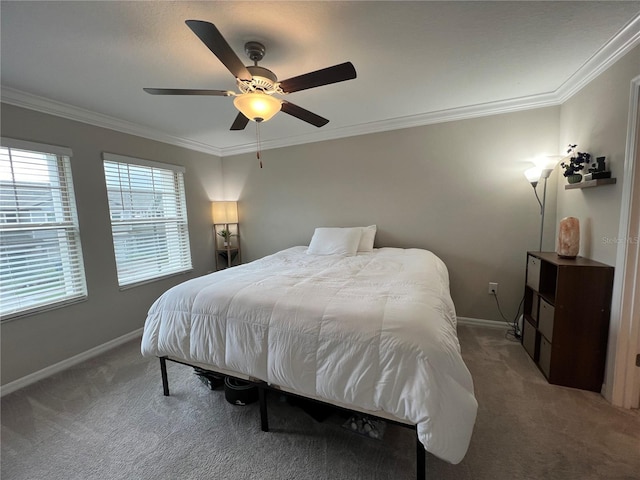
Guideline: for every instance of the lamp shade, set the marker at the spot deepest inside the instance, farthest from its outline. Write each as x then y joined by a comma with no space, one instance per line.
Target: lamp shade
546,164
533,174
224,212
258,107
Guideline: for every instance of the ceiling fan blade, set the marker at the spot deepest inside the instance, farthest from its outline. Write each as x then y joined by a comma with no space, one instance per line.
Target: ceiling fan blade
186,91
213,39
240,122
302,114
326,76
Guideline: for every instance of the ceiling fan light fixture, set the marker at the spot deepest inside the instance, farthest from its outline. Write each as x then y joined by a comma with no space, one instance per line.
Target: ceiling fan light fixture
256,106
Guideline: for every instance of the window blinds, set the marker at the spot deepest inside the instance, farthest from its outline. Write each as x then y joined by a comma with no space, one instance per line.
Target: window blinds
40,252
148,219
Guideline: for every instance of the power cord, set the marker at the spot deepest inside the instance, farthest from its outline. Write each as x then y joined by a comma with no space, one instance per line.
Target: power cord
513,333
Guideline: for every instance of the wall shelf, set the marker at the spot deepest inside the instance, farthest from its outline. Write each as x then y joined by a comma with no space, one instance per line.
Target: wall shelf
591,183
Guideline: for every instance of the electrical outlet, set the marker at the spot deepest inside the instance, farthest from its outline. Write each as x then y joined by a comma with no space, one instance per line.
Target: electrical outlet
493,288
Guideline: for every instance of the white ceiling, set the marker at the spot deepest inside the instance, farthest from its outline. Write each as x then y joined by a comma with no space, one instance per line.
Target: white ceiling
417,62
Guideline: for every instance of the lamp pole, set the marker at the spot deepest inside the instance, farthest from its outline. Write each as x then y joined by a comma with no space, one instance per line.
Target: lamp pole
542,208
534,175
534,184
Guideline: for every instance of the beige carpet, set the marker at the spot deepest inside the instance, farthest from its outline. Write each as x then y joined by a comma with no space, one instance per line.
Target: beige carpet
107,419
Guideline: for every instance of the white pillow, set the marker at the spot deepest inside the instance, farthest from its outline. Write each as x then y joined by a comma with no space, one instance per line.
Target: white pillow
335,241
367,238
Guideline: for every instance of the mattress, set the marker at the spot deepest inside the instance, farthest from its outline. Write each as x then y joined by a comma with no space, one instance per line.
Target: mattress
375,330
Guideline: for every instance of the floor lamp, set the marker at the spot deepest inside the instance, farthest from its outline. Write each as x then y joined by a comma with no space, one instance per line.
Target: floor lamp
534,175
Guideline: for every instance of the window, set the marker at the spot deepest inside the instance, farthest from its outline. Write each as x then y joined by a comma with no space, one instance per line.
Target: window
148,218
40,253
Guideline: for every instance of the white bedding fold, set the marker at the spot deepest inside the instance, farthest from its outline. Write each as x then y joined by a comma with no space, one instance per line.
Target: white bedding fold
376,330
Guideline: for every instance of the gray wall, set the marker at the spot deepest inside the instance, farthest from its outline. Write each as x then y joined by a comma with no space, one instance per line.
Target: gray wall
454,188
596,119
34,342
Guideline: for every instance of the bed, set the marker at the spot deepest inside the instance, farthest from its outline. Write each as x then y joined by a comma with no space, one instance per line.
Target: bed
371,330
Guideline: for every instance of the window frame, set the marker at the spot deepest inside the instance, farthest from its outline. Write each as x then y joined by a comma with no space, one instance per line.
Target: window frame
67,243
180,220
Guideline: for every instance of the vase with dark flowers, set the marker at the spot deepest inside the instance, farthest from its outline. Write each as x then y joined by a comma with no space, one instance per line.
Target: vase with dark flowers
576,163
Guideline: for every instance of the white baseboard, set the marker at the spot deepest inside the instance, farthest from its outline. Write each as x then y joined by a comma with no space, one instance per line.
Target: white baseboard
479,322
69,362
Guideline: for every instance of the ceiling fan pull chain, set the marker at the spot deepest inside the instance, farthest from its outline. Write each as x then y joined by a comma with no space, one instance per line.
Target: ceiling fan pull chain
258,143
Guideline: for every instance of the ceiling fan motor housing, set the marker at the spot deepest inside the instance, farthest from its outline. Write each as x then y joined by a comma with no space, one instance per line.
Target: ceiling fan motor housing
264,80
255,51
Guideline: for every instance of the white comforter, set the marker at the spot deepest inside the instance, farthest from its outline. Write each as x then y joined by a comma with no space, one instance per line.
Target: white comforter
376,330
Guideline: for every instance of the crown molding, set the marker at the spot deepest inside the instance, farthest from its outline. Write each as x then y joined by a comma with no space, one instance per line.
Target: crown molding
618,46
442,116
29,101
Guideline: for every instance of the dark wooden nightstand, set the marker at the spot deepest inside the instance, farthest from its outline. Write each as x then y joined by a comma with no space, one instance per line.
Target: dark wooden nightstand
567,304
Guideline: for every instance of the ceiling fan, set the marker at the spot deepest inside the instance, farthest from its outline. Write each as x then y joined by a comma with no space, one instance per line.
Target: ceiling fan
257,85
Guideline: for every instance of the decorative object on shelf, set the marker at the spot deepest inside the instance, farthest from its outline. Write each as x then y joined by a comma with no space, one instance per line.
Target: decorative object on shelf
225,227
575,165
226,234
544,167
598,166
596,176
598,170
575,178
569,238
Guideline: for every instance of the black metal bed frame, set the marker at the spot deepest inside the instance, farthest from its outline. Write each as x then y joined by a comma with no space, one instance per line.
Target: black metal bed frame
263,388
